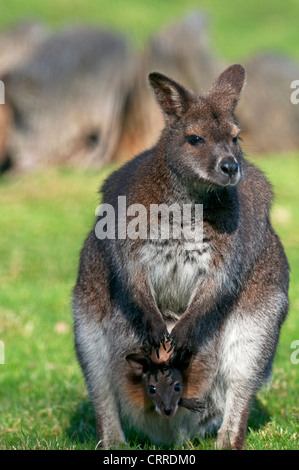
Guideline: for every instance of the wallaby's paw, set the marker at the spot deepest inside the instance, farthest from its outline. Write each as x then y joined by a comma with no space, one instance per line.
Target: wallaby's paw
155,336
180,340
163,356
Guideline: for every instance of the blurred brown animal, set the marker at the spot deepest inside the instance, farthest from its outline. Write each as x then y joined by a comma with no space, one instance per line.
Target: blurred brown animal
269,78
67,100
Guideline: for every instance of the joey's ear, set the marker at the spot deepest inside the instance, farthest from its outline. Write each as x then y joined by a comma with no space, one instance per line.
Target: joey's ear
172,97
138,363
181,360
228,86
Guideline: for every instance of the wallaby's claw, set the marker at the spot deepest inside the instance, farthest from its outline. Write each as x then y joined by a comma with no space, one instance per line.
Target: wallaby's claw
148,344
181,338
169,338
155,336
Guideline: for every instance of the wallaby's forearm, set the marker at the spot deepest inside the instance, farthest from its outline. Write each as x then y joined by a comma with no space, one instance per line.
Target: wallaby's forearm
206,301
155,327
203,303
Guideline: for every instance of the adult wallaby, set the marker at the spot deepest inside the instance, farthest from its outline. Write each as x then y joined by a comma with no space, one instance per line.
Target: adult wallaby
160,384
224,298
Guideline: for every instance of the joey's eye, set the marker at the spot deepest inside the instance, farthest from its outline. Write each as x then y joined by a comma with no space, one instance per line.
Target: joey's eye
235,139
195,139
152,389
177,387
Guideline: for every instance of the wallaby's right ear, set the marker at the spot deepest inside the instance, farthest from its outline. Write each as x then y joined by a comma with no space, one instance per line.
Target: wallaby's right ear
228,86
138,363
171,96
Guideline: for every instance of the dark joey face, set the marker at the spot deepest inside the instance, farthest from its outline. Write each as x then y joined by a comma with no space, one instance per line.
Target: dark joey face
164,389
162,382
201,135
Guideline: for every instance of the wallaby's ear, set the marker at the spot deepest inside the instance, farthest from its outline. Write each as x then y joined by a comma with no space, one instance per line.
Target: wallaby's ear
228,86
171,96
138,363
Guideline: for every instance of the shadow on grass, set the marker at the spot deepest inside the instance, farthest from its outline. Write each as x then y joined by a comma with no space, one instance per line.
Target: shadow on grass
82,429
258,417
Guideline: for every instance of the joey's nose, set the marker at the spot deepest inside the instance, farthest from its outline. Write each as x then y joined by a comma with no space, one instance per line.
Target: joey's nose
168,411
229,166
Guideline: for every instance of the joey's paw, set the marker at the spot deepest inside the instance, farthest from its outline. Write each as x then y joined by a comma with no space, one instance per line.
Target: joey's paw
192,404
196,406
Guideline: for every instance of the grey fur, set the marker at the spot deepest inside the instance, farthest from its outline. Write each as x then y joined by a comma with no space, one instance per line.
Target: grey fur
226,302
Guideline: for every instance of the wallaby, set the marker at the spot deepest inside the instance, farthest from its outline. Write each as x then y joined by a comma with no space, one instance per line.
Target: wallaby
224,297
162,383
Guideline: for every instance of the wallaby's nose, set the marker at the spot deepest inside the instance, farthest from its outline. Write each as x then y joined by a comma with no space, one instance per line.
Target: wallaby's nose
168,411
229,166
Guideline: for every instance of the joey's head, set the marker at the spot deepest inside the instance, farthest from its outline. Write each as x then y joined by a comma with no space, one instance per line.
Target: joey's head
163,382
201,137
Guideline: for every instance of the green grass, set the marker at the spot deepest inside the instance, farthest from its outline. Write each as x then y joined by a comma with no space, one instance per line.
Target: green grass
44,218
238,29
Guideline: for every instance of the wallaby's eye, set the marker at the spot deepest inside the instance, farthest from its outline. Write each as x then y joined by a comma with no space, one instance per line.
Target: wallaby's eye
177,387
195,139
152,389
235,139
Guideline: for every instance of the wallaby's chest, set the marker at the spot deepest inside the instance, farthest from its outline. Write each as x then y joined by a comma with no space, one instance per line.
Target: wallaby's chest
174,268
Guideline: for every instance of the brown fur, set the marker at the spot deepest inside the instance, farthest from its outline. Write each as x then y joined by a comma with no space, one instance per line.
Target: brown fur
225,299
136,391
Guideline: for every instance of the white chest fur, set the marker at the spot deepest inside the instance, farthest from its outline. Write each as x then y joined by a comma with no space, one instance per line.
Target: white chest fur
174,268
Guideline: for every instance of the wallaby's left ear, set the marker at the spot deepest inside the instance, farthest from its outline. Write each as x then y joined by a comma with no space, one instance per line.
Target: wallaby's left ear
229,85
173,98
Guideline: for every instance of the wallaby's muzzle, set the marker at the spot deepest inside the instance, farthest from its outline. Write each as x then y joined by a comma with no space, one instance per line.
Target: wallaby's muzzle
167,410
229,170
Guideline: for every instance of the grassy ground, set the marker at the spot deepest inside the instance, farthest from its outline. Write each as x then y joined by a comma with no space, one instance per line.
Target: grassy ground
43,403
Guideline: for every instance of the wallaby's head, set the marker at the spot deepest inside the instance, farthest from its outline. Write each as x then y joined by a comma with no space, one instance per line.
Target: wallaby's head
163,382
201,136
